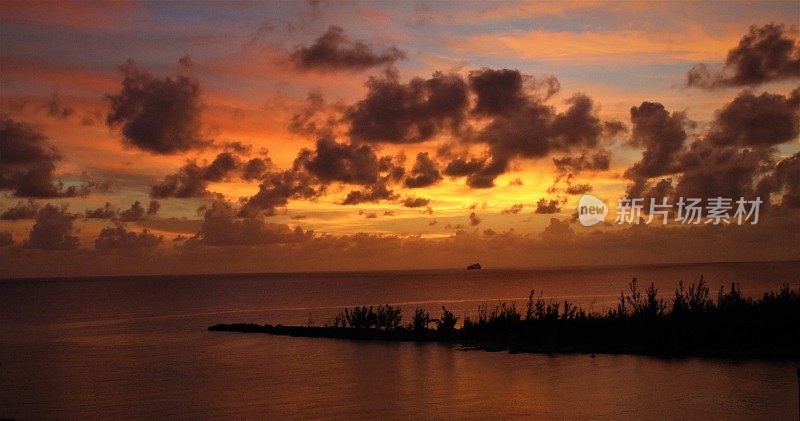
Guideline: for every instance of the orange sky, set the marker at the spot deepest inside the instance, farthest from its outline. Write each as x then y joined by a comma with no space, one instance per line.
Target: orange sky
60,63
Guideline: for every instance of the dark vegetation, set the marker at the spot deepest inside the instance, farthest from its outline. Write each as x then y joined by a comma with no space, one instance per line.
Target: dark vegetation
691,323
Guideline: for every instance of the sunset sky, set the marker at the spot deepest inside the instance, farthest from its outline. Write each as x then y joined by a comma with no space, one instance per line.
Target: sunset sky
285,136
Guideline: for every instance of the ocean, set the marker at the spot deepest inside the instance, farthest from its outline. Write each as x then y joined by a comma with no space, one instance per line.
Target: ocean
134,347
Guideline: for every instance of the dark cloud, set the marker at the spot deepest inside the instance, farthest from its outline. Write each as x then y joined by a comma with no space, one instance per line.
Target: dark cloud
160,116
329,162
523,125
499,92
372,193
786,179
189,181
221,227
22,210
118,237
424,172
613,128
137,212
55,108
346,163
576,189
28,162
557,229
544,206
735,157
368,215
712,171
171,224
153,207
598,161
767,53
312,120
512,117
763,120
480,172
474,219
513,210
6,239
461,167
276,190
255,168
221,166
238,148
662,136
334,51
406,113
105,212
415,202
192,179
52,230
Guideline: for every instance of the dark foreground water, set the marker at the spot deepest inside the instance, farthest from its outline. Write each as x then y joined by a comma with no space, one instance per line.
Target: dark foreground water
137,347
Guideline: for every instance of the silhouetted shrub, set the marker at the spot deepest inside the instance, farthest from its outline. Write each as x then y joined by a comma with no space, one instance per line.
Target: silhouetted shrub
421,320
447,322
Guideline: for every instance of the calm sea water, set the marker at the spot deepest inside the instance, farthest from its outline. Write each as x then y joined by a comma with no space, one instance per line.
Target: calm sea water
138,347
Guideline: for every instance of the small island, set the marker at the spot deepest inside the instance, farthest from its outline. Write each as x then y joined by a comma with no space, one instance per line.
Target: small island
690,324
474,266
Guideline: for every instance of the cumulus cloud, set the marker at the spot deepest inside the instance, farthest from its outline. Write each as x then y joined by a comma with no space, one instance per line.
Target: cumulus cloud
661,135
329,162
55,107
28,162
765,54
255,168
576,189
137,212
735,157
192,179
105,212
757,120
544,206
238,147
118,237
416,111
424,172
347,163
513,210
474,219
277,188
22,210
522,124
415,202
372,193
52,230
786,179
599,161
312,119
480,172
335,51
6,239
160,116
222,227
